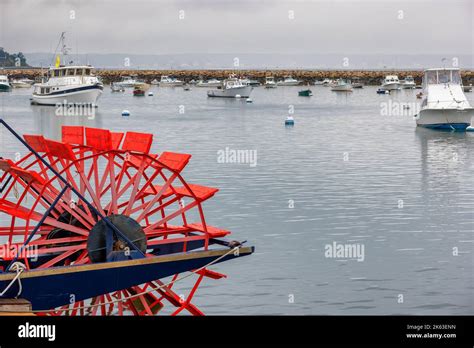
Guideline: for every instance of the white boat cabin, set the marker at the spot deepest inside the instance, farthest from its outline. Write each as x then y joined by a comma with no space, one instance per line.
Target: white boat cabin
443,89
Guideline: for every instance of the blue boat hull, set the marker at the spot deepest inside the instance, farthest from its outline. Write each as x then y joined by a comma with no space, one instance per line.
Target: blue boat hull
55,287
447,126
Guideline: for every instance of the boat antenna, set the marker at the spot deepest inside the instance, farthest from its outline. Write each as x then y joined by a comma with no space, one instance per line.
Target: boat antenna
61,46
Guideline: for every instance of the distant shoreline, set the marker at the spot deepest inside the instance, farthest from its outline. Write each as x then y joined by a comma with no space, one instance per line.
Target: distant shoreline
369,77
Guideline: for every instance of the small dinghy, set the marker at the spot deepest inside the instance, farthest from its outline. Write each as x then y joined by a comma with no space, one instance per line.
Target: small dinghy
138,91
290,121
305,93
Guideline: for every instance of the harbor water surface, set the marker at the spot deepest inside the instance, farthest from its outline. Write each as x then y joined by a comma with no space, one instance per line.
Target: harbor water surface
352,170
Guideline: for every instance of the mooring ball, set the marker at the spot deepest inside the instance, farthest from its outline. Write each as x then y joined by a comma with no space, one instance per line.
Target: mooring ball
96,242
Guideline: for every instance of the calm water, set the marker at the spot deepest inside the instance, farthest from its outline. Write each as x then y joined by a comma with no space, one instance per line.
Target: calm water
344,173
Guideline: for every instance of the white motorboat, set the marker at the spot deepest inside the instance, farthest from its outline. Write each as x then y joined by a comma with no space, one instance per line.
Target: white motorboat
231,88
130,82
318,82
22,83
356,83
444,104
167,81
409,83
391,82
116,88
270,82
71,84
342,86
75,84
288,81
328,83
4,83
245,81
209,83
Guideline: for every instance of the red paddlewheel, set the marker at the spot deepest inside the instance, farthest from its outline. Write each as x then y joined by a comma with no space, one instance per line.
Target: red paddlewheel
144,195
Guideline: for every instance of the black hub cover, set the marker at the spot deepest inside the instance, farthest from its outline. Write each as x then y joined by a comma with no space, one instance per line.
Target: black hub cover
96,242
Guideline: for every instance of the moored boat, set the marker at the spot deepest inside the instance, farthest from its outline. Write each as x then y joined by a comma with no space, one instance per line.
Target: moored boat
129,82
209,83
444,104
167,81
4,83
270,82
408,83
288,81
342,85
391,82
305,93
231,88
138,91
22,83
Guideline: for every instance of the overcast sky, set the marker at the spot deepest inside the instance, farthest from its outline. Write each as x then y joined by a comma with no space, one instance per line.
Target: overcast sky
223,26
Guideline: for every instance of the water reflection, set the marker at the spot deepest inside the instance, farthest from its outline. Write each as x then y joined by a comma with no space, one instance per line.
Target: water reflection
48,120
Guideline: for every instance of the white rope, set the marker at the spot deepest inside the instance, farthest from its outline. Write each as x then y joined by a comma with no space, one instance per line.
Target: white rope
18,267
234,250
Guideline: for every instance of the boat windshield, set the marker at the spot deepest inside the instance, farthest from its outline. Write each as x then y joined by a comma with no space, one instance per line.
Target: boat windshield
442,76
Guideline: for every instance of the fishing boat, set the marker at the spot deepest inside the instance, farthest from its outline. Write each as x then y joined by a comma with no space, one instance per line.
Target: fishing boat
444,105
4,83
342,85
67,84
391,82
288,81
167,81
22,83
87,237
408,83
270,82
305,93
209,83
231,88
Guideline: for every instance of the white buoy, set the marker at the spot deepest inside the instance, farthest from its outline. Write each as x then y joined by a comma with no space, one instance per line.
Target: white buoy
150,94
249,100
125,113
237,95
